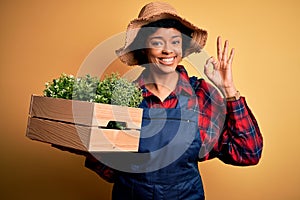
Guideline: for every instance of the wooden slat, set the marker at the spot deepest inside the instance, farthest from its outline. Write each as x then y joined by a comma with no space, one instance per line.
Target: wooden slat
103,113
72,111
82,137
85,113
114,140
64,134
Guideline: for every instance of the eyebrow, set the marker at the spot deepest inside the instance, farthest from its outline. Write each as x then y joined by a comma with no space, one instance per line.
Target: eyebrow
160,37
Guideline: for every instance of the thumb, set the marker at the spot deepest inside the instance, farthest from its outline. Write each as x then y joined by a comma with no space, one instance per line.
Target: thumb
209,61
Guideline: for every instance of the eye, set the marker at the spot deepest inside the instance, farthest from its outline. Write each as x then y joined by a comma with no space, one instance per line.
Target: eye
156,43
176,42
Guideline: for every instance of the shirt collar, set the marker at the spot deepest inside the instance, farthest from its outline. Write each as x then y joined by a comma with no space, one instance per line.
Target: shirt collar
183,85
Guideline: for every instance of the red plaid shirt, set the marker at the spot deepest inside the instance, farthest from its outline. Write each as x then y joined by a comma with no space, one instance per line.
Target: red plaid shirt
229,130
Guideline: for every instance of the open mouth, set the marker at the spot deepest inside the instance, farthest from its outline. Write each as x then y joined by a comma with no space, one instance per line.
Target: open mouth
167,61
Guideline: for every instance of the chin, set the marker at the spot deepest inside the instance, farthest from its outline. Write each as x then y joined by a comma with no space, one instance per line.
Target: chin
166,68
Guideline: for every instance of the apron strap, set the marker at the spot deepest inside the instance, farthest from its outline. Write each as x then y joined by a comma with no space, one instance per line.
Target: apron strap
182,101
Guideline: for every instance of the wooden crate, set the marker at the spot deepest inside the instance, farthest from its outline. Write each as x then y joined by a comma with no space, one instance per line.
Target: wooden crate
82,125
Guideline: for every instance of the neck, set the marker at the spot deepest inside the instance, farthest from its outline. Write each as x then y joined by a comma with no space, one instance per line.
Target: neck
161,84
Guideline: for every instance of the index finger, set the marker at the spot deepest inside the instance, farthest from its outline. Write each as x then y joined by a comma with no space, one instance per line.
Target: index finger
219,48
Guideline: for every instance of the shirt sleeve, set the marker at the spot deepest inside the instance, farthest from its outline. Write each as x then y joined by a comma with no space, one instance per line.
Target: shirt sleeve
241,142
235,138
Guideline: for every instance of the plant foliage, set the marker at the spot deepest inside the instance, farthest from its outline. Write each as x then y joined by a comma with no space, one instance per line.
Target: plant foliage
111,90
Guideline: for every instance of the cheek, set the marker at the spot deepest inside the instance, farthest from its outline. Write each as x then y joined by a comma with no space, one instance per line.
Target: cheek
178,51
153,53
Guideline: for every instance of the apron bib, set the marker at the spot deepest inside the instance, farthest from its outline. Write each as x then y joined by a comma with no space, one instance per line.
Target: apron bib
168,168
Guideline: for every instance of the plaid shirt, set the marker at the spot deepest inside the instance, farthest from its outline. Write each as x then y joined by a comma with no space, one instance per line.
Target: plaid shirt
228,130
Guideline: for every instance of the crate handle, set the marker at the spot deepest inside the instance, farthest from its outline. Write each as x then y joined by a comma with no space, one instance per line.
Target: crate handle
116,125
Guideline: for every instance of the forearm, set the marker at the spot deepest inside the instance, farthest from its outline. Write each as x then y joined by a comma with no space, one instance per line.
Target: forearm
241,142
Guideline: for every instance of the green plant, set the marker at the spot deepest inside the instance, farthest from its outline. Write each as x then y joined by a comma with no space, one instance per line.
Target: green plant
84,88
111,90
118,91
61,87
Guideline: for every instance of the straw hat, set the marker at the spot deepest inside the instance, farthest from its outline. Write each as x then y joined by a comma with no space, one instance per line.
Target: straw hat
152,12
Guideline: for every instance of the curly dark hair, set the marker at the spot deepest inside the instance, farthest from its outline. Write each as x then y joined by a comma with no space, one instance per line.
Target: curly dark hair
139,43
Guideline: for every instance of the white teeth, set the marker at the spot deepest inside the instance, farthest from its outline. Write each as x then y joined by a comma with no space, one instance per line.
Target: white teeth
168,59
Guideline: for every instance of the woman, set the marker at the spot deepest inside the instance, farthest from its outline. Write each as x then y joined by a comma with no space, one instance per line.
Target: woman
185,119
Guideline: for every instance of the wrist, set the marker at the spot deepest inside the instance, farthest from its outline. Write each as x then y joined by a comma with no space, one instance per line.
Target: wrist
234,97
229,91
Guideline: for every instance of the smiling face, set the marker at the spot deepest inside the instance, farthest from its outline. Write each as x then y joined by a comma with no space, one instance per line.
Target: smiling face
164,50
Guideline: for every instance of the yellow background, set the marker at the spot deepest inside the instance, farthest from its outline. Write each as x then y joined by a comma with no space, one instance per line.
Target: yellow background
42,39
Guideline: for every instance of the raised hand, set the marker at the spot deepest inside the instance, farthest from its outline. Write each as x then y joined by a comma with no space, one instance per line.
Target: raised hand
221,74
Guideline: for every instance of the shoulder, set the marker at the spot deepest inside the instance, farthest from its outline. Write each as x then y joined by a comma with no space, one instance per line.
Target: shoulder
208,96
199,84
196,82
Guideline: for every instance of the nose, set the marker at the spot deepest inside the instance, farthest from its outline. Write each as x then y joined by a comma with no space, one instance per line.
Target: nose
167,49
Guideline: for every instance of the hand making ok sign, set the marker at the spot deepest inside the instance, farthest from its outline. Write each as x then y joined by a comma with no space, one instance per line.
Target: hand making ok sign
221,74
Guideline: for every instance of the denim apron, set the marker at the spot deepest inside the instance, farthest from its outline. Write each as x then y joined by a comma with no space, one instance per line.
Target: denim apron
170,141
